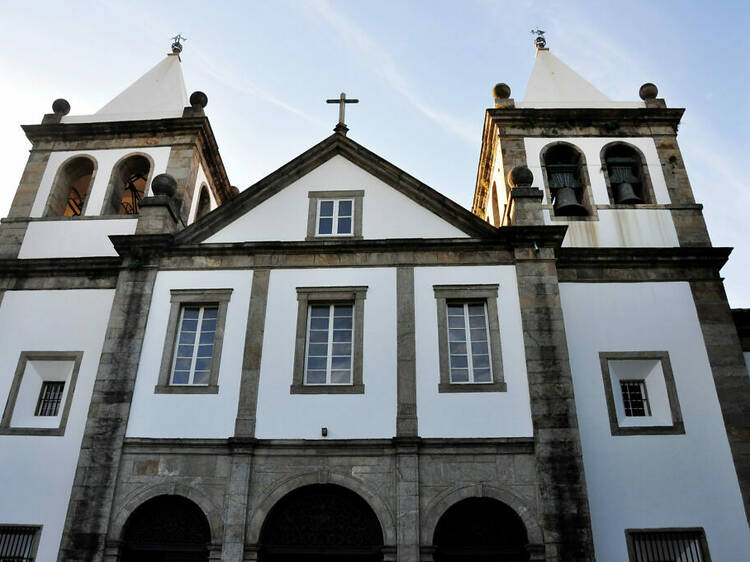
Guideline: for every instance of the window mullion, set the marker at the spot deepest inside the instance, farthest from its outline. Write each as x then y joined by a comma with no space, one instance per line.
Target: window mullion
470,361
196,345
335,226
329,350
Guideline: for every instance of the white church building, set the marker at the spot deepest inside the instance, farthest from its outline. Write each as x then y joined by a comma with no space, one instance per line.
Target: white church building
339,363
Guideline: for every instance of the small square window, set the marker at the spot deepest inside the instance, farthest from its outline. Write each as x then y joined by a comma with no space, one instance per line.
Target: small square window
640,393
192,346
468,338
667,545
18,543
328,354
335,213
41,393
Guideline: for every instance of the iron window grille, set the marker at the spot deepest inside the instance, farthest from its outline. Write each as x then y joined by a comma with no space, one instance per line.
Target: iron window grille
195,345
468,343
668,546
634,398
17,544
330,335
50,398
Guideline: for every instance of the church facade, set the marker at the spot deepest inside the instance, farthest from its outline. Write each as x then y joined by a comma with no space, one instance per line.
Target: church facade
381,374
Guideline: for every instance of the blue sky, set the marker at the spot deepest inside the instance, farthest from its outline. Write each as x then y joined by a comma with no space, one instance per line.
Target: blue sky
422,70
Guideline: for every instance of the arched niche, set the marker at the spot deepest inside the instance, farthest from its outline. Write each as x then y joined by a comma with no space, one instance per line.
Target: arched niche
566,180
164,529
480,529
321,522
204,203
71,187
621,159
127,185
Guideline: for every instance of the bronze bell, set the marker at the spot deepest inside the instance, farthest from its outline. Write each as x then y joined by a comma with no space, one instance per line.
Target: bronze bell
625,194
566,203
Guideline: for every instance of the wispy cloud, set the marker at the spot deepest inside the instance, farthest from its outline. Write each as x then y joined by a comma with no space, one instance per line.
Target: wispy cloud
384,65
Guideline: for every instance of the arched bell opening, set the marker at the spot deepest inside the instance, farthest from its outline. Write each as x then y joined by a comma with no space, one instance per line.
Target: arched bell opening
204,203
626,174
127,186
166,529
566,180
321,522
71,188
480,530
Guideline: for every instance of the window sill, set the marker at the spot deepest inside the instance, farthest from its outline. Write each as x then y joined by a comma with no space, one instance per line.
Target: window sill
327,389
54,431
473,387
674,429
332,237
186,389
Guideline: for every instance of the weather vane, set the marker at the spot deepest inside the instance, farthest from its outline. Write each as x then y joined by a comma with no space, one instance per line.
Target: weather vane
540,41
177,43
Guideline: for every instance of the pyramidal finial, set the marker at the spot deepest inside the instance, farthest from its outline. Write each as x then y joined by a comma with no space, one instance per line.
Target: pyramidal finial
540,41
177,43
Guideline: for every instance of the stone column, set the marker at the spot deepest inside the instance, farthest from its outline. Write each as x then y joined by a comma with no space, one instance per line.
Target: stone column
183,167
407,498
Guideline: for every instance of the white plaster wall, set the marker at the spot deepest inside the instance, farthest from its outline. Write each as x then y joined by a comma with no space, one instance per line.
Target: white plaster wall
651,481
73,238
472,414
36,472
640,227
282,415
386,212
105,161
200,416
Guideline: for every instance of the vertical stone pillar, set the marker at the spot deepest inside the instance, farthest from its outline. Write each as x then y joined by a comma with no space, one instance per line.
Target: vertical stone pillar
563,499
407,498
95,480
525,202
238,488
730,373
183,167
406,373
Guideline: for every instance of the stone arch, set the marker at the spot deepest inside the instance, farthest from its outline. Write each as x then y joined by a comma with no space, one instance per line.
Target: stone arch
142,495
587,199
60,193
442,503
113,195
381,510
203,207
648,187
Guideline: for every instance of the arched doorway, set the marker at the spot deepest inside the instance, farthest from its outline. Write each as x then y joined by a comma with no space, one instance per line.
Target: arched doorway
166,529
480,529
321,522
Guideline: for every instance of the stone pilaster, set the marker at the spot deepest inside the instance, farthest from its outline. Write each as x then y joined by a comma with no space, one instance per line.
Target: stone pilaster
159,214
183,167
236,500
29,184
93,489
406,373
564,509
729,372
12,232
407,499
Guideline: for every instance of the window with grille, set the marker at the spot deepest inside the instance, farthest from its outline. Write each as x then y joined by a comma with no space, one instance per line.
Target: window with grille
468,344
668,546
17,543
329,344
50,398
195,345
634,399
335,217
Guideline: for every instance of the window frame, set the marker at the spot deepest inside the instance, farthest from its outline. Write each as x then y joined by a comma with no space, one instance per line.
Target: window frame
34,547
700,531
5,424
676,428
465,294
307,296
179,298
315,198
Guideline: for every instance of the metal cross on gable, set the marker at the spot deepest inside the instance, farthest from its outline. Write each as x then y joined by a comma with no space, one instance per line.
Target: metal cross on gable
342,101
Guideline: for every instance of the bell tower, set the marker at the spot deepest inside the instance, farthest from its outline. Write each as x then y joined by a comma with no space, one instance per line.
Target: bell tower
87,175
610,170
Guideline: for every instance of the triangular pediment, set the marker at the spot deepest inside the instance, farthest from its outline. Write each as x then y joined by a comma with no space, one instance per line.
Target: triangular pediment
395,205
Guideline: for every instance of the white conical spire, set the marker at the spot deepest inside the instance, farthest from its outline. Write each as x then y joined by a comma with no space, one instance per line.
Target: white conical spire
554,84
158,94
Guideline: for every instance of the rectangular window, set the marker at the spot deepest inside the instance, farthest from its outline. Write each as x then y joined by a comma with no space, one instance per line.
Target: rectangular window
634,400
676,545
18,543
468,338
329,340
50,398
195,345
329,344
468,343
335,217
193,341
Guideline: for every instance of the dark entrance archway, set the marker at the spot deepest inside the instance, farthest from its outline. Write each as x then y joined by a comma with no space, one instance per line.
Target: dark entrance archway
480,529
321,522
166,529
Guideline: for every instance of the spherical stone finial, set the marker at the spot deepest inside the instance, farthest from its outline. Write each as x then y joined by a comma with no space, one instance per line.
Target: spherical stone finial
501,91
164,184
648,91
198,99
60,106
234,191
520,176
